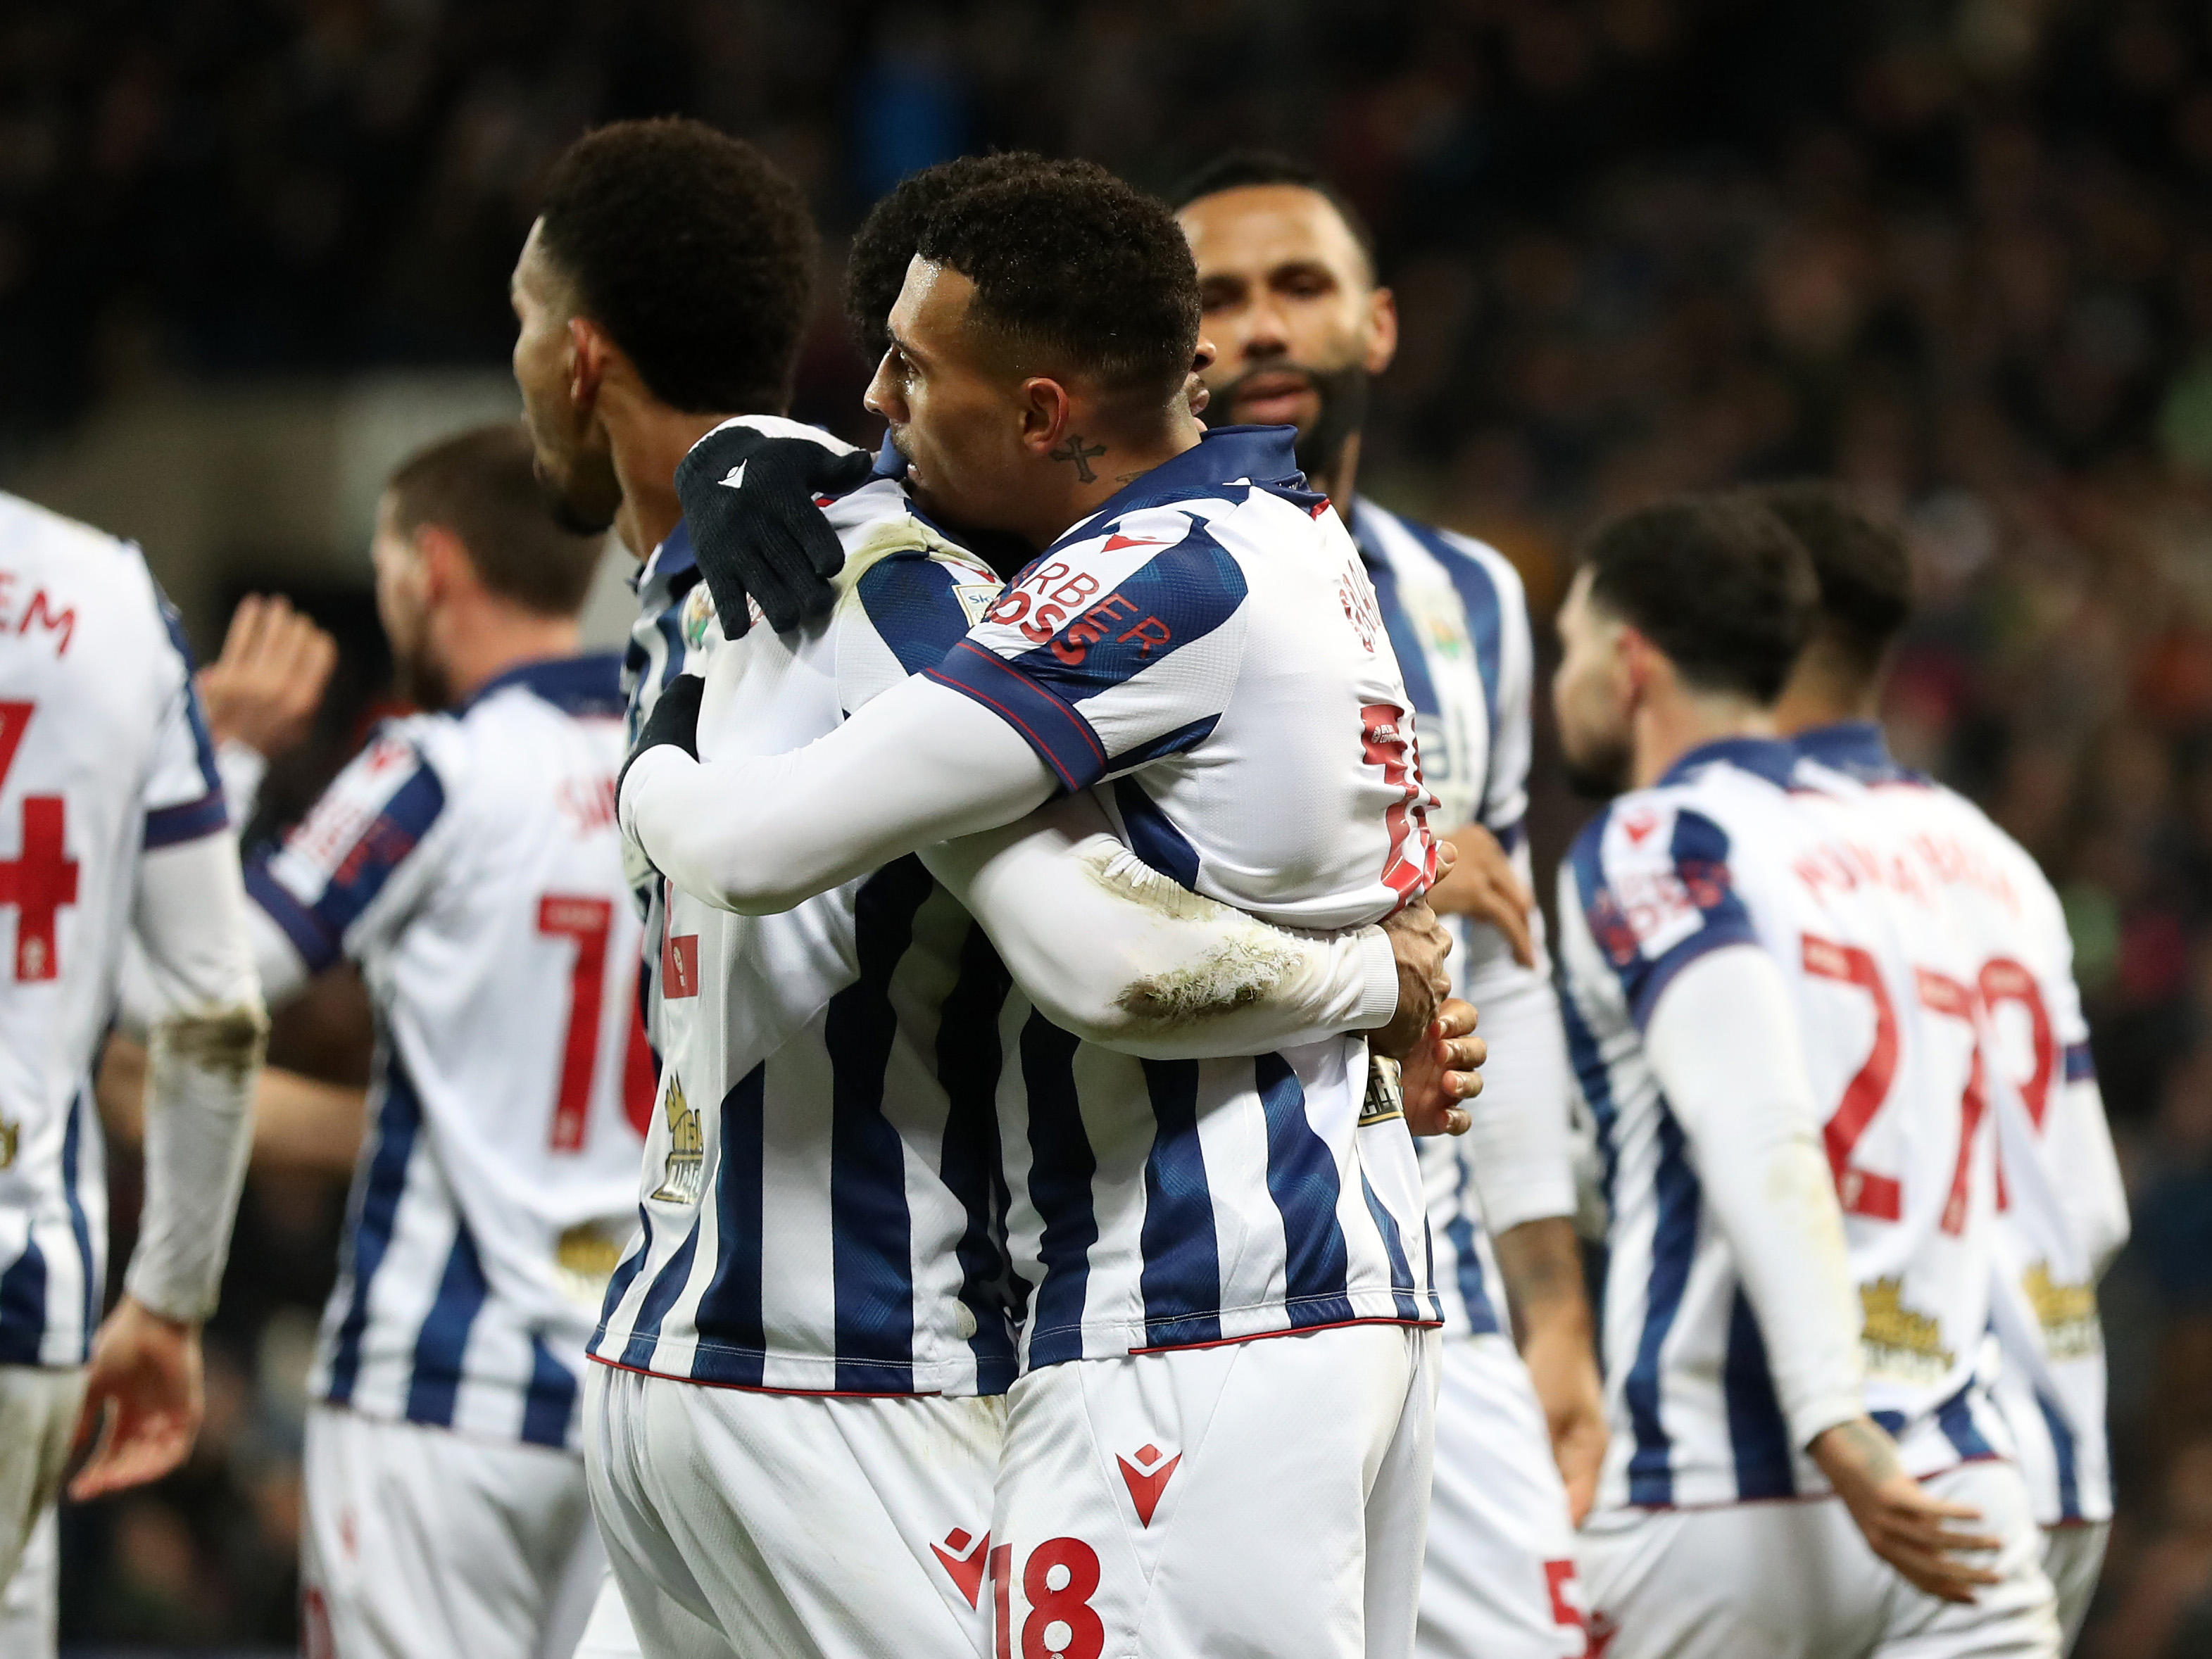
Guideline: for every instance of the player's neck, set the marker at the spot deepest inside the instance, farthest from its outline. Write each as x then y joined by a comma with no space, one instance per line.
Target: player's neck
1085,471
497,638
1820,693
1341,482
1668,727
648,439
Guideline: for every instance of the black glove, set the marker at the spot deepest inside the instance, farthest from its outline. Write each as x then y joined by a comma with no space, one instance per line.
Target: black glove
749,500
674,719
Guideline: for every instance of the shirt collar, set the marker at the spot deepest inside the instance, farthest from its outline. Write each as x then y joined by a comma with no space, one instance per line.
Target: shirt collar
668,561
1856,748
588,685
1768,757
1223,454
890,464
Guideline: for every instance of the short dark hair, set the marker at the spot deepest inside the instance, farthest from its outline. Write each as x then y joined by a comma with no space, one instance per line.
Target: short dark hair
694,252
1248,169
1071,260
1862,564
875,270
483,485
1716,582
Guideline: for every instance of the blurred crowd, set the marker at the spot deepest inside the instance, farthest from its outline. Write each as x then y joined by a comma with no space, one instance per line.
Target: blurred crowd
1956,252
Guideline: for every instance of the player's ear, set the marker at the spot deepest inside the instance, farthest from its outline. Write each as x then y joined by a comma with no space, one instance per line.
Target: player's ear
444,562
1381,330
1045,409
590,352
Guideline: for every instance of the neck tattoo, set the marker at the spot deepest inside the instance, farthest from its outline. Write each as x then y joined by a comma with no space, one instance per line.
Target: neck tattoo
1075,450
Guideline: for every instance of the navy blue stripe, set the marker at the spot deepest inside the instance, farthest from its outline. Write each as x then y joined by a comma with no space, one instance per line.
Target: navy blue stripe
172,826
870,1228
398,1120
195,714
659,1296
1405,638
1757,1433
2080,1064
379,850
1061,1168
733,1335
581,686
1485,608
625,1274
1393,1245
95,1290
1460,1230
969,1062
549,1404
1302,1179
1181,1277
1674,1243
1205,472
2066,1457
442,1345
1955,1416
910,603
1180,741
1153,834
23,1306
1698,850
318,943
1062,739
1178,597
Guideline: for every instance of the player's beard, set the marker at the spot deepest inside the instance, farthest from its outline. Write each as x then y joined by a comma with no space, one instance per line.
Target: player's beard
1341,395
1603,772
421,682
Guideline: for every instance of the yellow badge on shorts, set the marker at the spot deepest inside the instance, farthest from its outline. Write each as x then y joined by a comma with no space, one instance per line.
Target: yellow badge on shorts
1385,1099
685,1172
9,1134
2067,1313
584,1260
1899,1341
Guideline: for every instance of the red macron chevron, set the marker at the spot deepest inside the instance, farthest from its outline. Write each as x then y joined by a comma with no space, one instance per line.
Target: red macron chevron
1146,1479
965,1559
1117,541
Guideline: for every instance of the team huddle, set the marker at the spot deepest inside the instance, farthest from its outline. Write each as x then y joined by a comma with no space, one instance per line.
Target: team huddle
933,1107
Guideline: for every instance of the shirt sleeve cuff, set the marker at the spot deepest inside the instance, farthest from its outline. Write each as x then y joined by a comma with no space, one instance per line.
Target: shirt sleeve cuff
1378,980
1812,1418
1061,737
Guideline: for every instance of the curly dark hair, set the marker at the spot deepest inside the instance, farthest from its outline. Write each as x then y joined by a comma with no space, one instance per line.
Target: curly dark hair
1716,582
1863,567
1070,261
694,252
875,270
1243,169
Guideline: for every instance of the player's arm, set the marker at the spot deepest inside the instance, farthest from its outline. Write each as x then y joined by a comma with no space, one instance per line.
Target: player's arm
1121,956
1722,1040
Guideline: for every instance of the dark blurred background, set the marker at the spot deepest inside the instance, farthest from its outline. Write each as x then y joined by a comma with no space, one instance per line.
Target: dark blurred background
1956,252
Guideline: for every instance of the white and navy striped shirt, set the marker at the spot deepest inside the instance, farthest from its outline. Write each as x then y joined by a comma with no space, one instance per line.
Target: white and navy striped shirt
2061,1207
469,863
104,754
1458,616
1723,851
1206,654
821,1206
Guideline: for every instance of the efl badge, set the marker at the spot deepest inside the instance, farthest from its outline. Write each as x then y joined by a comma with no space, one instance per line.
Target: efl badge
1385,1099
684,1173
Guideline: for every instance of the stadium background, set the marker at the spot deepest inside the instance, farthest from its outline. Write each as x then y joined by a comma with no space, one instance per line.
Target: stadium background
1956,252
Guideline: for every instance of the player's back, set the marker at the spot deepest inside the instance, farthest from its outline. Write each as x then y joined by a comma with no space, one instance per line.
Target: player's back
102,754
1720,852
469,863
2061,1211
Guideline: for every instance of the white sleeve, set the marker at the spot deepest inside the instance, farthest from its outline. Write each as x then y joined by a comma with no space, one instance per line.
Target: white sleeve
759,834
1517,1145
208,1028
1160,972
1504,802
2096,1192
1722,1040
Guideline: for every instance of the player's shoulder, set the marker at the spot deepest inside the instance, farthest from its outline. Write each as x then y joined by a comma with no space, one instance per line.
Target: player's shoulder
1714,806
26,528
1465,558
59,570
906,585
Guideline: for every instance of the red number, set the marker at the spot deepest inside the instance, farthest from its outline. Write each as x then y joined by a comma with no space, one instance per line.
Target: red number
1946,996
1062,1623
587,920
42,877
1387,740
2003,980
1558,1577
1862,1192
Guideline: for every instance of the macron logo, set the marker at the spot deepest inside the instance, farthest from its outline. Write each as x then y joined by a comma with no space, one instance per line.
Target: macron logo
735,478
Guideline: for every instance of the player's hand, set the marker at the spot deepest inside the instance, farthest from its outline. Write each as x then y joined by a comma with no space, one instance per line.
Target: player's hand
142,1401
1482,885
264,690
1419,945
1445,1069
749,500
1901,1524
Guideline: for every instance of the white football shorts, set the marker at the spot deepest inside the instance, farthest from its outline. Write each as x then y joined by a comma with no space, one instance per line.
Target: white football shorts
805,1526
1498,1580
1793,1579
38,1405
1263,1497
419,1543
2074,1557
